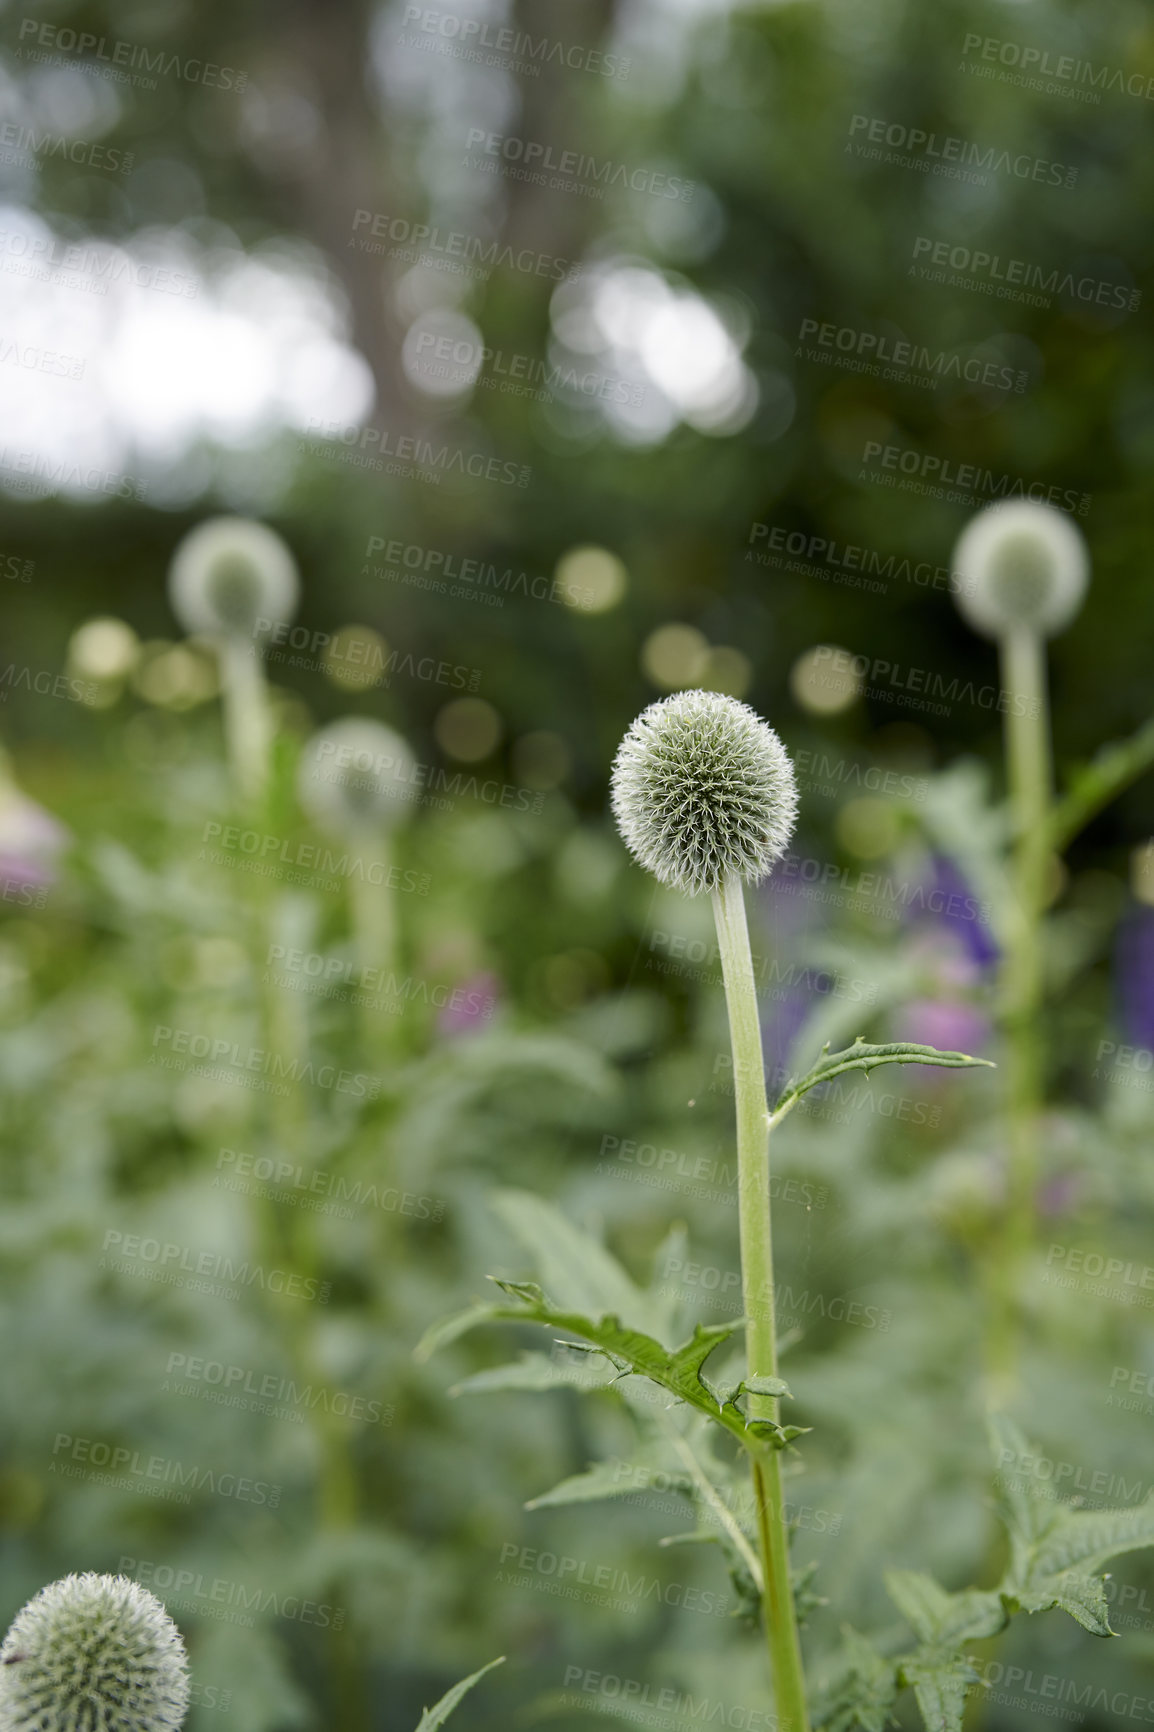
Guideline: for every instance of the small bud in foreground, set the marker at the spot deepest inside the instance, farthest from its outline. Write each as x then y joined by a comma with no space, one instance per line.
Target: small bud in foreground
232,577
703,788
93,1654
1022,564
356,776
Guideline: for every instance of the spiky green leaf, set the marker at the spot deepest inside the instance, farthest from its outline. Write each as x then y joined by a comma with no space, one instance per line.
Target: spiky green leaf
940,1681
866,1057
601,1480
436,1716
940,1618
631,1351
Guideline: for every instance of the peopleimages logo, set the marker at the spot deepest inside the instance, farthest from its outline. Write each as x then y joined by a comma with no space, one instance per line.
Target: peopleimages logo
215,1596
531,160
161,1260
486,44
256,1392
881,356
118,54
453,250
481,580
1038,69
971,479
846,562
913,147
161,1470
1013,279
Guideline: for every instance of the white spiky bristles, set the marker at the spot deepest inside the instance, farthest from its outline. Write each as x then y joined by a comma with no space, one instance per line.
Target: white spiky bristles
1022,565
356,776
93,1654
229,575
703,788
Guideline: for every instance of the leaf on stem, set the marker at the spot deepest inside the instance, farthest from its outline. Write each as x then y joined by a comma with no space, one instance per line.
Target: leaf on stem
602,1479
1057,1552
866,1057
633,1353
436,1716
1096,784
942,1619
940,1681
865,1693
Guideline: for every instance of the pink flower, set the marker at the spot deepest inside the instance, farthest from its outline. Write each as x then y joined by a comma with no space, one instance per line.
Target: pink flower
30,839
470,1006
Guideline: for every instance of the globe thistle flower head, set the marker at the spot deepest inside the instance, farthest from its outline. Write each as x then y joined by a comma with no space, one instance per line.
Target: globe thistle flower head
1022,565
703,788
93,1654
356,777
232,577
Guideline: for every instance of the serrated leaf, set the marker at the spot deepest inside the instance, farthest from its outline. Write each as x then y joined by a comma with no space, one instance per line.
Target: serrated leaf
775,1386
1083,1597
940,1682
601,1480
1058,1551
436,1716
866,1692
678,1371
532,1373
767,1429
941,1618
450,1329
1099,782
866,1057
1092,1537
582,1275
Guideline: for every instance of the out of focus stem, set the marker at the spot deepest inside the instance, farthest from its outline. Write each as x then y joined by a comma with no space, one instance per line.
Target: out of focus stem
779,1611
1029,775
246,719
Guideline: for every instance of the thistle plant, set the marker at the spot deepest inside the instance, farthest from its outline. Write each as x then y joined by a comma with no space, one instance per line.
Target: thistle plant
1024,570
705,798
93,1654
233,581
704,795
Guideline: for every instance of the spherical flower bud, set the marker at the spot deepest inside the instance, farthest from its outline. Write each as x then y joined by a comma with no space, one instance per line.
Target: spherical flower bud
1021,565
356,777
703,788
93,1654
233,578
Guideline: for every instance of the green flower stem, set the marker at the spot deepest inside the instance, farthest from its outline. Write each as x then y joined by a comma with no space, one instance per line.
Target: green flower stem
758,1293
1029,775
246,719
373,919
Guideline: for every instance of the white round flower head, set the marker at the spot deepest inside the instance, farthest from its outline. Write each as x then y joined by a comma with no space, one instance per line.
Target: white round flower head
1021,564
229,574
703,788
93,1654
356,777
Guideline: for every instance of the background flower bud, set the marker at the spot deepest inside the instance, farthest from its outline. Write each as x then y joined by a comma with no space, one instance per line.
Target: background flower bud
1022,565
228,574
93,1654
356,776
703,788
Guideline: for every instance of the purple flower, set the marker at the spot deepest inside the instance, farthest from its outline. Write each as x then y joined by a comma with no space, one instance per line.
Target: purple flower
30,839
470,1006
950,1024
950,902
1135,975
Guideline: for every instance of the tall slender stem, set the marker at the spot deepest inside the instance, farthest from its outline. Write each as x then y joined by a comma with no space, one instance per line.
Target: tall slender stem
1020,986
246,718
373,918
758,1294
